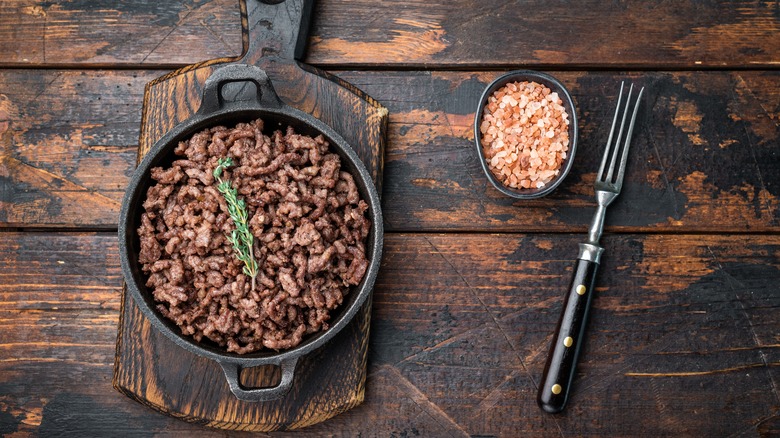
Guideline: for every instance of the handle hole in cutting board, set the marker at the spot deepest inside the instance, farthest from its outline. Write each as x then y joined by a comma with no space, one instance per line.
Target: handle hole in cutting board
265,376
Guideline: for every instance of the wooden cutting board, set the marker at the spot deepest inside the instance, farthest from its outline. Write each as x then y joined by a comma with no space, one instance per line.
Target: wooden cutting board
153,370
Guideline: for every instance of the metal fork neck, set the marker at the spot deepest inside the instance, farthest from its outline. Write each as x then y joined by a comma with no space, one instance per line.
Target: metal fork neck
597,225
591,250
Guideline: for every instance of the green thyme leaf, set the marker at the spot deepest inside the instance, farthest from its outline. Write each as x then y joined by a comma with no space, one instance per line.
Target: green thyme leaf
241,238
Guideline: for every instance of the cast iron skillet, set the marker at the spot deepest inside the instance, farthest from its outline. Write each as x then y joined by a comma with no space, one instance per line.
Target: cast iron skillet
215,110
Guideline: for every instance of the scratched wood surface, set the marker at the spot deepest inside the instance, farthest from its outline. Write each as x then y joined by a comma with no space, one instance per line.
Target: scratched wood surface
684,335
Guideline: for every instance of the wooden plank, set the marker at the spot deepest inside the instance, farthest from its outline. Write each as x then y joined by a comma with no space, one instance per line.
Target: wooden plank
541,33
680,34
705,147
683,329
115,33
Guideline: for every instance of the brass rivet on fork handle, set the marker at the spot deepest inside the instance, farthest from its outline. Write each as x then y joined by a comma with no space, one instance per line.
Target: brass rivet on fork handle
561,363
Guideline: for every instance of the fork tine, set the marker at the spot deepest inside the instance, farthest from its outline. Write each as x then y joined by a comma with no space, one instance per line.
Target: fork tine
600,175
624,157
616,149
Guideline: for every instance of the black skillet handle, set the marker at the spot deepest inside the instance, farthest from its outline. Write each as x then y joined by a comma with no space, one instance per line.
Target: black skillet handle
213,100
565,348
233,376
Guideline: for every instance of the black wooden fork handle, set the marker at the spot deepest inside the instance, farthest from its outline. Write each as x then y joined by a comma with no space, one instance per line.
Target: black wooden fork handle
566,343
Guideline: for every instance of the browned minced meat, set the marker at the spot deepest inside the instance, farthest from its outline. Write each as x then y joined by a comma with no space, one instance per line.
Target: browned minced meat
307,219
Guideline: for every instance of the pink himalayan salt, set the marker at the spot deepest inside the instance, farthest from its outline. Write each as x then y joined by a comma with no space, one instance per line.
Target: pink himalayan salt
525,134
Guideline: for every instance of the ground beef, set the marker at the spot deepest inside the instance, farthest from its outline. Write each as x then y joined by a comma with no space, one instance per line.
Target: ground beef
308,222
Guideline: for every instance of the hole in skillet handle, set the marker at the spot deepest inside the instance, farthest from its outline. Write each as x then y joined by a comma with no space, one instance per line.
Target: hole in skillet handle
237,92
555,86
233,368
215,98
261,376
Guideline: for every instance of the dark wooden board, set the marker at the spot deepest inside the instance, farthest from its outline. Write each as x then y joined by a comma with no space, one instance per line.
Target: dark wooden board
683,338
679,34
152,369
705,147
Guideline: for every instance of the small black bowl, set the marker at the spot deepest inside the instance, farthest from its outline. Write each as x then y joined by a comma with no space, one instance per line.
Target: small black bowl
555,86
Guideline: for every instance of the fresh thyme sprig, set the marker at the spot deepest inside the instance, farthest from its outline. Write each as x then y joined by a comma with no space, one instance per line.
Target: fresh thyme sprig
241,238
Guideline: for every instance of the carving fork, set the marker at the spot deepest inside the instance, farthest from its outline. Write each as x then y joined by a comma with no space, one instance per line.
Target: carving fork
562,359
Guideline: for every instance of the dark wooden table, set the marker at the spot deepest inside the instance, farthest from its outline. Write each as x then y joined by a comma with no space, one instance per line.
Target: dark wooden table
684,337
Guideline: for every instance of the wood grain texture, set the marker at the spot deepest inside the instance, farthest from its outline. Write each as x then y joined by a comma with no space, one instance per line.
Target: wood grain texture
705,147
682,339
680,34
